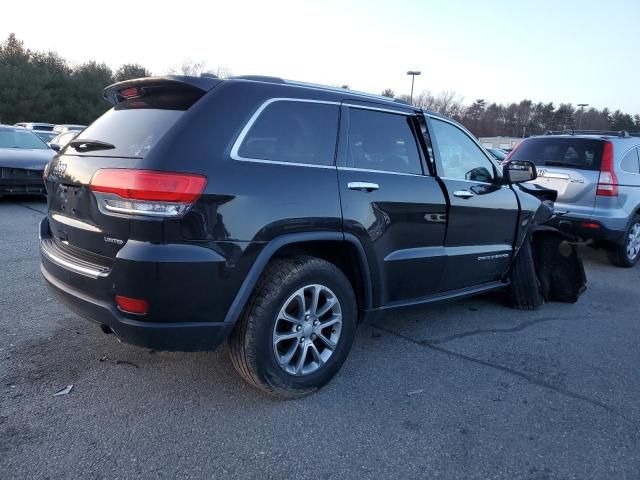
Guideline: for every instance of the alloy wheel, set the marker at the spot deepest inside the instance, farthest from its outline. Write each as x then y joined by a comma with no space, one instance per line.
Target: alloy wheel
633,242
307,330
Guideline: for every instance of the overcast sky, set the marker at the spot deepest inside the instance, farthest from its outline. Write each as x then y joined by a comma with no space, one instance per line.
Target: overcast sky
562,51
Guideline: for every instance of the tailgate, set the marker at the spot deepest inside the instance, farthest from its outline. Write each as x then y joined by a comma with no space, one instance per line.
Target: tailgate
144,111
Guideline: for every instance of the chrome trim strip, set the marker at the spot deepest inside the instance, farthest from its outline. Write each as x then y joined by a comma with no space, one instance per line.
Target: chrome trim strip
474,182
236,146
354,169
430,252
73,222
386,110
87,272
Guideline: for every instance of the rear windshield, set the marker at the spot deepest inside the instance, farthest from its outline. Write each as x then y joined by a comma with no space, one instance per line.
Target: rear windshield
580,153
20,138
134,126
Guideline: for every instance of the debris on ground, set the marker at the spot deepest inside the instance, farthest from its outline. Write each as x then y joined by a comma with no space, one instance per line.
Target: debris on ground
415,392
103,358
125,362
64,391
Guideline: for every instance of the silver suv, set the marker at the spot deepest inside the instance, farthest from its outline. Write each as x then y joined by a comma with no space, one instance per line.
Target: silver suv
597,177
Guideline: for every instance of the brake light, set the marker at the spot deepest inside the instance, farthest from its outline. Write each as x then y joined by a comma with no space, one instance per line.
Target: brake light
146,192
608,182
132,305
130,92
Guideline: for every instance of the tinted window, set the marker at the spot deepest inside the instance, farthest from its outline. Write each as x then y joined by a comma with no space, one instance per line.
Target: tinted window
460,157
19,138
297,132
581,153
382,141
134,126
630,162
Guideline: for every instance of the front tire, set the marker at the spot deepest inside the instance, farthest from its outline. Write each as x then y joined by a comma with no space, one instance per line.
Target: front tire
524,289
297,329
626,253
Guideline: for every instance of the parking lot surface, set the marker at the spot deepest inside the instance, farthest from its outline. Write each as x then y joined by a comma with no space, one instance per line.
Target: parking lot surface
469,389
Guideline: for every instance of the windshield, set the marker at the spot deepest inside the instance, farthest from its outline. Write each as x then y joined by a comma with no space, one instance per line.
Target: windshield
19,138
580,153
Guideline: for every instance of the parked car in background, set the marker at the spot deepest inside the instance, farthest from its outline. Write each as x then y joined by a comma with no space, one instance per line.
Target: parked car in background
498,154
45,135
597,177
68,128
43,127
280,214
23,156
60,140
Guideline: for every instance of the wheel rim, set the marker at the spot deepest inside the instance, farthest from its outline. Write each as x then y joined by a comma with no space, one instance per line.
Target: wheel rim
307,330
633,242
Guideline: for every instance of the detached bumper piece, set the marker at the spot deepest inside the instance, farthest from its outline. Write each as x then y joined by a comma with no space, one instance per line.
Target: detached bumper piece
558,265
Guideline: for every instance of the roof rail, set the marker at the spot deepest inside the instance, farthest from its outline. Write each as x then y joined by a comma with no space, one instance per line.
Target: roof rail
618,133
259,78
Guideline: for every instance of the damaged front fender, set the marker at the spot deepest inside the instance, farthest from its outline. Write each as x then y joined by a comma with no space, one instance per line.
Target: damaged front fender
558,264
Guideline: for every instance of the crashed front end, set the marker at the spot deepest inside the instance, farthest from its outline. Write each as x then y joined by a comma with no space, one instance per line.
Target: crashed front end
557,258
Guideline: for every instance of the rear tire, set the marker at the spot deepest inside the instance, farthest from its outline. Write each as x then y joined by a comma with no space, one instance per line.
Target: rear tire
524,289
626,253
281,343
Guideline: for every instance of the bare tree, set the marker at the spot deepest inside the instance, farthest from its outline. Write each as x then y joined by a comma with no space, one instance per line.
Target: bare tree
387,92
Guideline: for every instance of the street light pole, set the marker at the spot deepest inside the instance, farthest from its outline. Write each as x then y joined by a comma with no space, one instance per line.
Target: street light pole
413,74
581,105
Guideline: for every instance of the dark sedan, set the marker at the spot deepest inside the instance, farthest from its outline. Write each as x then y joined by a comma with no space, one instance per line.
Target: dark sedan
23,156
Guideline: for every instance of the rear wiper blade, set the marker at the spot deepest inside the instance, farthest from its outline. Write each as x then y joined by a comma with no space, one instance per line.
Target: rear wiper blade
89,145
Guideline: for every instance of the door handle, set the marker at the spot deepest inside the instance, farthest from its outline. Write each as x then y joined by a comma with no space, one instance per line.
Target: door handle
363,186
463,194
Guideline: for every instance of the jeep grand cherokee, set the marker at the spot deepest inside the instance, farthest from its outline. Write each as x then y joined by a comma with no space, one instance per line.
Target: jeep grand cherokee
279,214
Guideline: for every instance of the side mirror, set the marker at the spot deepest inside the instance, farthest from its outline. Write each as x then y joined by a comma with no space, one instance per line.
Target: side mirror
518,171
55,147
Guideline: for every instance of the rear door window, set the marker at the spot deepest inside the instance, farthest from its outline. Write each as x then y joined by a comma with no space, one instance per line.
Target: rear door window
293,132
580,153
382,141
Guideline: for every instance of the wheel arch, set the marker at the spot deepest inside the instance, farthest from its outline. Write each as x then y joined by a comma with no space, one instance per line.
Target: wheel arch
343,250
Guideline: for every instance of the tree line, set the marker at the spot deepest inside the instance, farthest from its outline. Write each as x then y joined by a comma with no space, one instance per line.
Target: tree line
521,119
43,86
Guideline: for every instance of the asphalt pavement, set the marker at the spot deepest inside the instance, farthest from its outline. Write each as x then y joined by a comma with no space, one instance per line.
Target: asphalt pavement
467,389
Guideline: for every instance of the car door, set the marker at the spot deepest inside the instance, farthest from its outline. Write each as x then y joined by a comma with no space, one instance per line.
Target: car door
483,213
390,202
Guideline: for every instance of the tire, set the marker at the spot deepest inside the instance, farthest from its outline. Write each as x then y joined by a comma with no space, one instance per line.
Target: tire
524,289
627,252
257,349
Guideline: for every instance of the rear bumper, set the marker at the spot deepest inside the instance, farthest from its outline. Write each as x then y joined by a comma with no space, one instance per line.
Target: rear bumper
179,336
587,228
188,288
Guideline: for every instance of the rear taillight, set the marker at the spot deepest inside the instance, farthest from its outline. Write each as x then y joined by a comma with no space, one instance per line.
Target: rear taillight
608,182
146,192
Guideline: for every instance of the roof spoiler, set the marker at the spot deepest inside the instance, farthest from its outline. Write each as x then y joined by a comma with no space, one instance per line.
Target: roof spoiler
113,93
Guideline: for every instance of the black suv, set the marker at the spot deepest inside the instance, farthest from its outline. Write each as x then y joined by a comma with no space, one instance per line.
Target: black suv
279,214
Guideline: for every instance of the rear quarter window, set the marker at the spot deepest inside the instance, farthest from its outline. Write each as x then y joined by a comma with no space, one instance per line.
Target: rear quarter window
580,153
293,132
630,162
